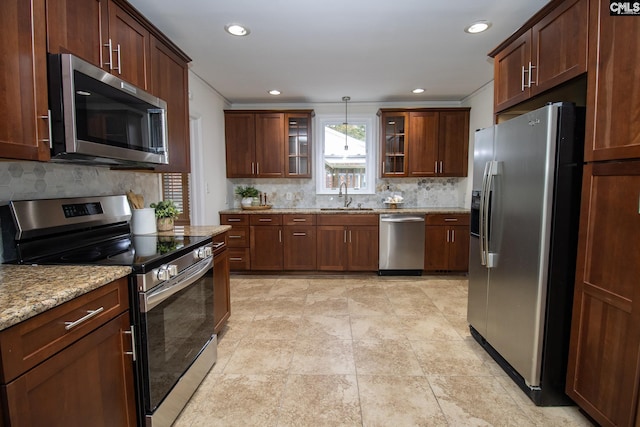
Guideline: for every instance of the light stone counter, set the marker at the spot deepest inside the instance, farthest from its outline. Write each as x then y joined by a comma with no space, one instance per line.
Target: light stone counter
28,290
420,211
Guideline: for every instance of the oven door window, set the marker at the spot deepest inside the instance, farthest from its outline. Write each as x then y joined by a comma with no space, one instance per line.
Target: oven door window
174,333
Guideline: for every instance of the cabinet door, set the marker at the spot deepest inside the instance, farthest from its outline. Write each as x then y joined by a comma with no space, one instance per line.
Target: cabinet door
298,161
240,137
363,248
394,144
266,248
602,372
299,248
436,251
79,27
613,93
24,128
129,47
458,257
269,145
453,143
423,143
221,291
169,81
509,79
559,41
88,383
332,247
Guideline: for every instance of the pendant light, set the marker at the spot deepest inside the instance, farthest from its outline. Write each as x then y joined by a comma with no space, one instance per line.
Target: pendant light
346,99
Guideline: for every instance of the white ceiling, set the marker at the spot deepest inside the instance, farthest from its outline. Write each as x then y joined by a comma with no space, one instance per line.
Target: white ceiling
320,51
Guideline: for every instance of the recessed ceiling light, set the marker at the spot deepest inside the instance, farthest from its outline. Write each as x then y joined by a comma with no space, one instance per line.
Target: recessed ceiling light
237,30
274,92
478,27
418,90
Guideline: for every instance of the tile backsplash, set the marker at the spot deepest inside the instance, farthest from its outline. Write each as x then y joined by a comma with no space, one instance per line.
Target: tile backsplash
301,193
36,180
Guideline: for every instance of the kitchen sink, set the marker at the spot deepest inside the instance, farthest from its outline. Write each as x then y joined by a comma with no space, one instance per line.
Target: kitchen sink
346,209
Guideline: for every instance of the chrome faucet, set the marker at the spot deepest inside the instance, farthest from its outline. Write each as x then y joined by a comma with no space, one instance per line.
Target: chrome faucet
347,199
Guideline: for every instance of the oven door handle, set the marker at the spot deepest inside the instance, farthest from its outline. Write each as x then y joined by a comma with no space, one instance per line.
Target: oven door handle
177,284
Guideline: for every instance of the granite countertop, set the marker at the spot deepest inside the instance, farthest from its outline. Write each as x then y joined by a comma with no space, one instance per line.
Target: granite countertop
28,290
444,210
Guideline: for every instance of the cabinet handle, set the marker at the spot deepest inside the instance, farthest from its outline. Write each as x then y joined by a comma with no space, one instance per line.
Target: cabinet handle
234,220
531,81
299,234
48,119
133,343
345,236
110,63
299,220
383,168
435,168
264,219
441,166
280,235
90,313
451,219
448,236
235,259
252,168
453,236
522,75
257,168
349,236
119,67
233,236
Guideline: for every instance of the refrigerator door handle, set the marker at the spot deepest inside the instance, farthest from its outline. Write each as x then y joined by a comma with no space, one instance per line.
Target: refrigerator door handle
494,170
481,217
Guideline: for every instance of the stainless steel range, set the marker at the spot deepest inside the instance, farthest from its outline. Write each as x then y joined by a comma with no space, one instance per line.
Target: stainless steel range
171,287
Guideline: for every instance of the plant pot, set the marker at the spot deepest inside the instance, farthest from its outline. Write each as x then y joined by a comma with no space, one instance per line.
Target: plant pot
165,224
246,201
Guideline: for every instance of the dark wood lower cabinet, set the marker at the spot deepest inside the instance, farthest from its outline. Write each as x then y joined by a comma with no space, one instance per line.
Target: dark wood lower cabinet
266,248
362,248
299,247
446,242
90,383
348,248
332,248
221,286
603,370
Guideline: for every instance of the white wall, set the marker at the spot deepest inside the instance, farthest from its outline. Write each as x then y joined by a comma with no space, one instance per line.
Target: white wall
481,103
208,168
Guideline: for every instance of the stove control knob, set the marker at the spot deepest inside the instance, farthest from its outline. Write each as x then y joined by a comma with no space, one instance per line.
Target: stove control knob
167,271
203,253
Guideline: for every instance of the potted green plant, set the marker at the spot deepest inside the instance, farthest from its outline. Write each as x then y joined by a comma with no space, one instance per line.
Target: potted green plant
248,194
166,212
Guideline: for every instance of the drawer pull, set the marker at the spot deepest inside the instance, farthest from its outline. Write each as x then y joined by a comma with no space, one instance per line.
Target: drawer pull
234,220
264,219
90,313
235,236
235,259
451,220
299,234
299,220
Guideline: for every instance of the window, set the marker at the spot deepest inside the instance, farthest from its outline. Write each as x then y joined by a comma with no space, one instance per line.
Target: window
175,187
345,155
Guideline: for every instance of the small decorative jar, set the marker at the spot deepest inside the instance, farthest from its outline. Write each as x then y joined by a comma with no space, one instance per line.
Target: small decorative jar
165,224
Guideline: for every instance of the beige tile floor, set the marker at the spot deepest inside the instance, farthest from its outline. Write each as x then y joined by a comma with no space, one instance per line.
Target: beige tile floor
357,351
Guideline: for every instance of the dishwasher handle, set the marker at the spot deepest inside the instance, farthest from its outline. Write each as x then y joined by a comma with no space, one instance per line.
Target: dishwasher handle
402,219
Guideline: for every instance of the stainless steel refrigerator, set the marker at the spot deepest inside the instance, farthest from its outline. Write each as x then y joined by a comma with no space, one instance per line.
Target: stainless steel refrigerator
524,229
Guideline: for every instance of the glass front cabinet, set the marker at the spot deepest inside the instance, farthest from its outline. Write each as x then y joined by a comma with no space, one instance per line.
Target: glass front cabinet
298,133
394,161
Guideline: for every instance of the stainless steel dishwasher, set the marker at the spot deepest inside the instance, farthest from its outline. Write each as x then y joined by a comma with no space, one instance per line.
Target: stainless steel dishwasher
401,244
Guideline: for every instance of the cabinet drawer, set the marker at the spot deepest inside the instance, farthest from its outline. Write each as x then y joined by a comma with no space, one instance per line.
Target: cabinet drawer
28,343
265,219
239,259
305,219
446,219
348,219
240,219
238,237
220,243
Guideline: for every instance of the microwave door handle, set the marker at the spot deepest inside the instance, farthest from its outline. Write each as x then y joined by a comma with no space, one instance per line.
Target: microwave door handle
154,298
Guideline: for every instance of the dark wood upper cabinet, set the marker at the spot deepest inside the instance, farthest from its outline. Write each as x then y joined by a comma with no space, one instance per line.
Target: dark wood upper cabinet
613,121
424,142
24,128
551,48
268,144
170,81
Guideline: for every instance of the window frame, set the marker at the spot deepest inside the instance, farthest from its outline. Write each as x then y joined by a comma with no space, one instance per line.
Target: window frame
371,158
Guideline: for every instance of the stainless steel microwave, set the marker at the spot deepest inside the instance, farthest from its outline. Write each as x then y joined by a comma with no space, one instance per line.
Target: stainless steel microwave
97,118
